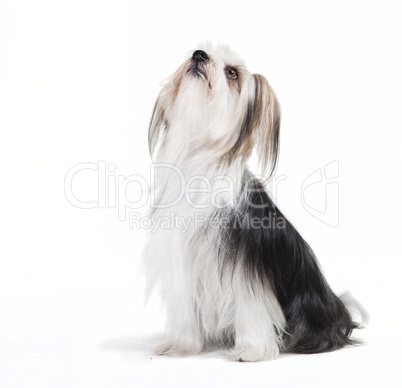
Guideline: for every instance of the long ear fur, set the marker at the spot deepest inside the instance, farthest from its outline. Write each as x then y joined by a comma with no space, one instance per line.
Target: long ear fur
259,127
157,126
159,123
268,123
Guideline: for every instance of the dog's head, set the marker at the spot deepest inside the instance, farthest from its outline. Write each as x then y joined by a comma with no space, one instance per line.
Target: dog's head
214,103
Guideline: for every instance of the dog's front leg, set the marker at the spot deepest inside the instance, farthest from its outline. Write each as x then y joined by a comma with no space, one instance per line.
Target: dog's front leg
183,337
259,321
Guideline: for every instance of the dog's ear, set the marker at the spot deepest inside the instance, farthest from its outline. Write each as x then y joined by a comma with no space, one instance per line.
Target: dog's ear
259,126
267,124
159,124
157,127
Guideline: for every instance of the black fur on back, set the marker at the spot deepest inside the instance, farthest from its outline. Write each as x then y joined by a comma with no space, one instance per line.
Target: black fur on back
317,320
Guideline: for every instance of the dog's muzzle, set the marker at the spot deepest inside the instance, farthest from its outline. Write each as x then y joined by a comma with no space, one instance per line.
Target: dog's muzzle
200,56
199,59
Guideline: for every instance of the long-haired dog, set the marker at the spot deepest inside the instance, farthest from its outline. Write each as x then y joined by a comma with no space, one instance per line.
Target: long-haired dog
239,275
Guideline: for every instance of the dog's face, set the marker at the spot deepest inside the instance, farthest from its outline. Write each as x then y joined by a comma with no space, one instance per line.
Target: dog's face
212,89
214,103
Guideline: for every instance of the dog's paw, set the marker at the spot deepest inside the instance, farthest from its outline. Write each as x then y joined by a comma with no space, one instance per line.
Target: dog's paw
253,355
180,348
165,350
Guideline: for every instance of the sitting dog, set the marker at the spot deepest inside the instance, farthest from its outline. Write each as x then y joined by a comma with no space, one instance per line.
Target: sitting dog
239,276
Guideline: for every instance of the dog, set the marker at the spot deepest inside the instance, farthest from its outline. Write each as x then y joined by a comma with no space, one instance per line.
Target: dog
239,276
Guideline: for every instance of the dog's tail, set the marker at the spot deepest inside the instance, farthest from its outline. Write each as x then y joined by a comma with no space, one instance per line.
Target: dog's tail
359,315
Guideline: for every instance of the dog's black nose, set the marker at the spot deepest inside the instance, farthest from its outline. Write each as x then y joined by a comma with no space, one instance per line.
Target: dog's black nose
200,56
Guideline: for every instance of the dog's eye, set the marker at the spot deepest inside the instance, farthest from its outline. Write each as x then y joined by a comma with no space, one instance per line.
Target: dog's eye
231,72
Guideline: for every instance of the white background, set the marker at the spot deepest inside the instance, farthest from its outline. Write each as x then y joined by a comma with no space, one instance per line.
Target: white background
77,83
